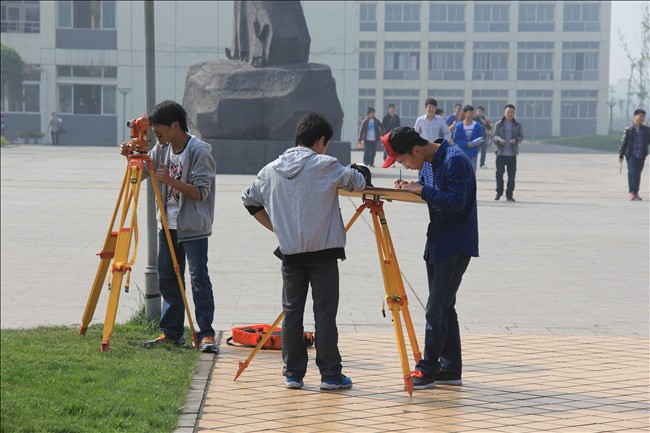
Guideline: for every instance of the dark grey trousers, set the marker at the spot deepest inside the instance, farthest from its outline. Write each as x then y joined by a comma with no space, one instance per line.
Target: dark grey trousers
324,280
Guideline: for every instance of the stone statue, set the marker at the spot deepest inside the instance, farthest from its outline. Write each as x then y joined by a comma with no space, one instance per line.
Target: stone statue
268,33
266,86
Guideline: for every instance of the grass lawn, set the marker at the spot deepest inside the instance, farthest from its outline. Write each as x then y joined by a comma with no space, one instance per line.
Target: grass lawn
603,143
54,380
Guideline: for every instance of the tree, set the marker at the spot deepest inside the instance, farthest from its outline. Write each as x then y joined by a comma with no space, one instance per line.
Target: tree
639,81
12,73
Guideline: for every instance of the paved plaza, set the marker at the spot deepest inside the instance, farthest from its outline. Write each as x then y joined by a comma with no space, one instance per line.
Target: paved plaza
554,314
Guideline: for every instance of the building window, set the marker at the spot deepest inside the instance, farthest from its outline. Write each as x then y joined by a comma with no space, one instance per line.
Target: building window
31,97
536,17
402,60
447,98
573,109
580,61
367,54
368,17
578,112
446,60
534,108
535,61
492,100
86,71
407,104
90,14
86,99
446,17
581,17
366,99
491,17
402,17
490,61
20,16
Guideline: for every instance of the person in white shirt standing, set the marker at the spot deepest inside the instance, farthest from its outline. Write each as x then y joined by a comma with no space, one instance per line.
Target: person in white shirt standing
430,126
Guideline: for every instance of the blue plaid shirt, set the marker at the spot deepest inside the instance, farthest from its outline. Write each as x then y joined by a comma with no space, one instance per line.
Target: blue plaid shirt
449,188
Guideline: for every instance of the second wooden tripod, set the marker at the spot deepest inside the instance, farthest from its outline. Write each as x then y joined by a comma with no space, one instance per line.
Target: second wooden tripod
396,298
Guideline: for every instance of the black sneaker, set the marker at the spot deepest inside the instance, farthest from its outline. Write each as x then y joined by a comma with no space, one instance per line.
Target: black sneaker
510,198
497,197
443,377
420,381
165,340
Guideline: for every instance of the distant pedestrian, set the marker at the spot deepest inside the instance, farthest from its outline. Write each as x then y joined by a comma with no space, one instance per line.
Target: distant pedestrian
455,116
508,133
488,129
468,135
390,122
369,133
54,127
430,126
634,147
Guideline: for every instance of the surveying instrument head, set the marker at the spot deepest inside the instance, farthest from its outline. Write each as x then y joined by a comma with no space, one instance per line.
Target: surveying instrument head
139,134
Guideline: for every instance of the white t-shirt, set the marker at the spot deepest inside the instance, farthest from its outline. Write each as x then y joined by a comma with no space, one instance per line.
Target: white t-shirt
175,166
468,130
370,136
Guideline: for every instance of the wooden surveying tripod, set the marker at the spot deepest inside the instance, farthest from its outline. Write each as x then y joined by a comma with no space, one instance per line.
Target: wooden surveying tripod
117,244
373,200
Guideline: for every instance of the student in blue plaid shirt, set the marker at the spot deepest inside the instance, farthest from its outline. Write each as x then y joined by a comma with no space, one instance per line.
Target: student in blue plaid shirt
448,184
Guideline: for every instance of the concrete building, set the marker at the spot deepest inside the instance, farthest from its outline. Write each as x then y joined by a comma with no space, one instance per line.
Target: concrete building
551,59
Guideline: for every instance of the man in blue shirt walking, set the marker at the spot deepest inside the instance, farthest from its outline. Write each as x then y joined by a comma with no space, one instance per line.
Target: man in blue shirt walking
448,184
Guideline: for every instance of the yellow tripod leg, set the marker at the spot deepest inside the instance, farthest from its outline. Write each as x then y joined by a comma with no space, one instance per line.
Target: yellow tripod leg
394,299
122,248
397,277
106,255
244,364
177,268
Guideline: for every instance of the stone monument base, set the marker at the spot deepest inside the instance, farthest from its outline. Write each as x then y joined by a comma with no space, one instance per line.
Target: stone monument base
234,100
249,156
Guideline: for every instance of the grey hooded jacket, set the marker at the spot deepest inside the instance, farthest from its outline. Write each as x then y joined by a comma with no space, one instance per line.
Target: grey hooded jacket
195,218
300,193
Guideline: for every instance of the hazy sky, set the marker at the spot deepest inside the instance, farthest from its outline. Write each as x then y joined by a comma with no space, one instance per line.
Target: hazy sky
626,17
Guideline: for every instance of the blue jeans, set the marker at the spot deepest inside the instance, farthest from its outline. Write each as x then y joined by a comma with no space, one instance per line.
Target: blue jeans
472,159
442,335
634,169
172,316
324,280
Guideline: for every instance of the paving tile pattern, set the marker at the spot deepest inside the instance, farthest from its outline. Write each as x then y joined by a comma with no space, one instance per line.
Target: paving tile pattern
512,383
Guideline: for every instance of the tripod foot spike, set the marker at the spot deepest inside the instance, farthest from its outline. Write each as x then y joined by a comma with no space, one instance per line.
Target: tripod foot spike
195,342
82,330
242,367
408,384
105,345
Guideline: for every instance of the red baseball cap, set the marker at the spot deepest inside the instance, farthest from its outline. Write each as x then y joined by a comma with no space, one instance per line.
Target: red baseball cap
400,141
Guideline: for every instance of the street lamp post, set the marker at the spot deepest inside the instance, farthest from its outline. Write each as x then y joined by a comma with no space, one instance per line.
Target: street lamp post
534,105
124,91
611,104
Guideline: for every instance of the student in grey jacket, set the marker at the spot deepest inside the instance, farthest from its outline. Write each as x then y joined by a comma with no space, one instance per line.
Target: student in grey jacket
186,171
296,197
508,133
